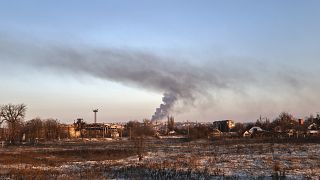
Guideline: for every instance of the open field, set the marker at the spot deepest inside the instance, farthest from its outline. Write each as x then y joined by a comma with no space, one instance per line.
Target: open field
163,158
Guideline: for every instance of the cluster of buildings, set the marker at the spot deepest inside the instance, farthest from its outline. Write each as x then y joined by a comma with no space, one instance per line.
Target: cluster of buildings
95,130
225,128
216,129
228,129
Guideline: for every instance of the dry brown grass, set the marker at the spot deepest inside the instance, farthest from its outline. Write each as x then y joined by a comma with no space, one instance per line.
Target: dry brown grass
163,155
49,156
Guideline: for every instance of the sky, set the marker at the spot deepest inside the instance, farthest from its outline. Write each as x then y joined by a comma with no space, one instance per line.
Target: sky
218,59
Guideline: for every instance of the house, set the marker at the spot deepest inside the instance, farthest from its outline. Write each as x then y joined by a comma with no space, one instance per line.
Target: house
246,134
313,132
255,129
301,121
257,132
291,132
313,126
216,133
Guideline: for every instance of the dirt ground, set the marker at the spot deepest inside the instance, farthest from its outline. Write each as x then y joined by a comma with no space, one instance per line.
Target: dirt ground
162,158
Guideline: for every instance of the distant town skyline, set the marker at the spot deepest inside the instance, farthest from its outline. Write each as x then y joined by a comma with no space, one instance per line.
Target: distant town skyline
212,60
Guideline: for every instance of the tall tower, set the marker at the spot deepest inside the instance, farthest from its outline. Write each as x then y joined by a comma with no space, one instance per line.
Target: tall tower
95,115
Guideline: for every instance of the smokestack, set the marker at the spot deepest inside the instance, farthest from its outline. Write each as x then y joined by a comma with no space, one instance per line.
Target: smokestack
95,115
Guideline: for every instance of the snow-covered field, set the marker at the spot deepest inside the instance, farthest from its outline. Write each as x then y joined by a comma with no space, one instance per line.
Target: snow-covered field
164,158
297,161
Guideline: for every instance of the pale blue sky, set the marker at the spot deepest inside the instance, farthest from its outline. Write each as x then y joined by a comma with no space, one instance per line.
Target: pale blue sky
280,38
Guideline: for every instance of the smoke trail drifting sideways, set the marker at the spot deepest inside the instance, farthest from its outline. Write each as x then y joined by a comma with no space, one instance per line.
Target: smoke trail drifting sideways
178,80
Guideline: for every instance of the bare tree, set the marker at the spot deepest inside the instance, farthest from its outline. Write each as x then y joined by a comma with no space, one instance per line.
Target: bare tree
34,129
170,123
285,121
51,129
138,129
138,132
13,115
80,126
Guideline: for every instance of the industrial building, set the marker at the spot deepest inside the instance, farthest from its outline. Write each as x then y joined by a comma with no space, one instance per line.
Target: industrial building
224,125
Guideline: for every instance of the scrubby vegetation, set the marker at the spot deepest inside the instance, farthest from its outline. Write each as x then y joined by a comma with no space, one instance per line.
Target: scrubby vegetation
170,158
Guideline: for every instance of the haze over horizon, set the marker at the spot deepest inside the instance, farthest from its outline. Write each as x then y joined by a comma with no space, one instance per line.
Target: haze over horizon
211,59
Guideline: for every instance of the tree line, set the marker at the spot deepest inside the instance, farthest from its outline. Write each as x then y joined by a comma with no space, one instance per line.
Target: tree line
284,123
14,129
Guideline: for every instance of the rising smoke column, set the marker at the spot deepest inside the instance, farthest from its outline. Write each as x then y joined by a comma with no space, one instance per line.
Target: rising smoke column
168,102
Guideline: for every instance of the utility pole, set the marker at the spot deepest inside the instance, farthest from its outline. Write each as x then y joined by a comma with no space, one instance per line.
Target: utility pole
188,128
130,132
104,130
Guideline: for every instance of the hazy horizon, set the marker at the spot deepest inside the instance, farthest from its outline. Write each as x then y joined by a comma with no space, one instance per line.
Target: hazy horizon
210,60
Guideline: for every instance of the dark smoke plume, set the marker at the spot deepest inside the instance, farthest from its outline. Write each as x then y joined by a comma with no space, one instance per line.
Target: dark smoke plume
168,102
178,80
